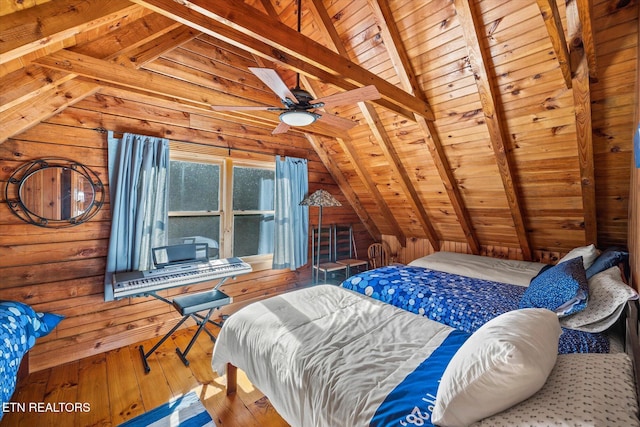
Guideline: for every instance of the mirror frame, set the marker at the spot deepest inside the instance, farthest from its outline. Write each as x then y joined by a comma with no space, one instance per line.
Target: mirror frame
20,175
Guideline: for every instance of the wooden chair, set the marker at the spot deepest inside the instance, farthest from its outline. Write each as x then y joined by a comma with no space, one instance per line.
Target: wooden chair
344,250
378,256
322,256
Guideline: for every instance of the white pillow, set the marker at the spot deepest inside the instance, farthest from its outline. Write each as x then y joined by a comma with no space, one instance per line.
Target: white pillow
608,295
588,254
503,363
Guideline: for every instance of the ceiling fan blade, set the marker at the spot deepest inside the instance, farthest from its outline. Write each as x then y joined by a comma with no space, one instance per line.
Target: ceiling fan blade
239,108
337,122
365,93
281,128
275,83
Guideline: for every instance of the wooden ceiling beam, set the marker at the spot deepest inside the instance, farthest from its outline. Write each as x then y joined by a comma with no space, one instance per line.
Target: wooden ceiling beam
99,69
29,82
268,7
55,82
344,186
479,61
32,80
262,51
551,16
253,30
347,147
346,144
588,40
149,82
202,117
320,13
41,26
398,169
372,190
404,69
46,104
370,186
150,51
584,131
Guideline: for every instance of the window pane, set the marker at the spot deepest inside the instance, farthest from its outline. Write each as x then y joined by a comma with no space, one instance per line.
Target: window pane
193,186
253,235
252,189
196,229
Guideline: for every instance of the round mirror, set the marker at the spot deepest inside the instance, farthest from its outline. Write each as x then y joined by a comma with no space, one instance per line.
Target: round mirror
54,193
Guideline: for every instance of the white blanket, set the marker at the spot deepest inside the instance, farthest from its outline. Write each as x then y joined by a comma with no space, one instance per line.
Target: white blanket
481,267
326,356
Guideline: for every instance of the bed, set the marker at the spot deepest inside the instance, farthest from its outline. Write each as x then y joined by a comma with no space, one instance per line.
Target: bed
20,326
465,291
327,356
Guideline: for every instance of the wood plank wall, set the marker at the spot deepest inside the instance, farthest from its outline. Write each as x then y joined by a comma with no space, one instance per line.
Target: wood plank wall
417,248
634,190
62,270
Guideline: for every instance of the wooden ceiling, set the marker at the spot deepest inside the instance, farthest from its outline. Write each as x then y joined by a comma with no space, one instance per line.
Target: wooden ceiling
501,122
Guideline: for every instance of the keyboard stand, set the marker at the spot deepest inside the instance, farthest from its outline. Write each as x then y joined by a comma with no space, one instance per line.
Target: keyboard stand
189,306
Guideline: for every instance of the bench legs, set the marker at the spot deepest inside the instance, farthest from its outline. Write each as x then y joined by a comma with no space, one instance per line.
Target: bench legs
232,376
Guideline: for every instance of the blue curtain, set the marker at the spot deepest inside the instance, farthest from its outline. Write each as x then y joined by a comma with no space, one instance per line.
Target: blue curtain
138,180
291,220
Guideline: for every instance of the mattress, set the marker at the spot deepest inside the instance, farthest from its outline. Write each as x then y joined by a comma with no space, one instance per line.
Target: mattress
481,267
325,356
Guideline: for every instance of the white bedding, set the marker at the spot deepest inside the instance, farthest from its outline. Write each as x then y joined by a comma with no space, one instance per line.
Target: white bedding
481,267
610,400
325,356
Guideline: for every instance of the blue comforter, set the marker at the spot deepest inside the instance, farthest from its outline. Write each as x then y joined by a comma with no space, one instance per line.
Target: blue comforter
20,326
462,302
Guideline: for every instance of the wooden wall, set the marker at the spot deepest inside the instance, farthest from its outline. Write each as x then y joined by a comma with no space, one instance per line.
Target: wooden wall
634,190
417,248
62,270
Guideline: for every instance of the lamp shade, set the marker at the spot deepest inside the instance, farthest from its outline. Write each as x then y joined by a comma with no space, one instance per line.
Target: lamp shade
320,198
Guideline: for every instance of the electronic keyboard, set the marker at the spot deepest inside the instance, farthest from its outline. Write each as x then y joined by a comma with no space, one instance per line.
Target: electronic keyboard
132,283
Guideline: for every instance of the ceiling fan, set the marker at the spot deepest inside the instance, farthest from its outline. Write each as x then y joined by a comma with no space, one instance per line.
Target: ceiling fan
299,107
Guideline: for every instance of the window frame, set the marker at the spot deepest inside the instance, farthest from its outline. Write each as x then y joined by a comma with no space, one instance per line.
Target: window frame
225,203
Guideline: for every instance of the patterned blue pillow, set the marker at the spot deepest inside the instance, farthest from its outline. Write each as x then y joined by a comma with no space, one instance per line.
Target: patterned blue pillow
36,324
562,288
20,325
607,259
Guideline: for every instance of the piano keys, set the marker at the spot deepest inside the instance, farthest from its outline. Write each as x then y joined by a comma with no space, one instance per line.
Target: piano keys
134,283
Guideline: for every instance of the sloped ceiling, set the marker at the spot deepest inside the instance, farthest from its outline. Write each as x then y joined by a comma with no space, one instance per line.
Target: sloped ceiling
501,122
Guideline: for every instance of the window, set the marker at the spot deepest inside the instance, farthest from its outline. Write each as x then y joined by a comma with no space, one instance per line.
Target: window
226,203
252,210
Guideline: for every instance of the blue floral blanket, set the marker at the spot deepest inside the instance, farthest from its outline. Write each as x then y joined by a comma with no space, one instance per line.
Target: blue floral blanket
462,302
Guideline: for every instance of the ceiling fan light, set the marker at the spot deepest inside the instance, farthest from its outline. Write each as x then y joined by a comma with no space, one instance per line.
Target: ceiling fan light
298,118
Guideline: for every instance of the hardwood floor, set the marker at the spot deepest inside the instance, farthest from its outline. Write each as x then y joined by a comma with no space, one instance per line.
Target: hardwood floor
110,388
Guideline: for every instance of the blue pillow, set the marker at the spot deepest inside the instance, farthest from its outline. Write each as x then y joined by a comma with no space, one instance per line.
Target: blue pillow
20,325
22,315
562,288
607,259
